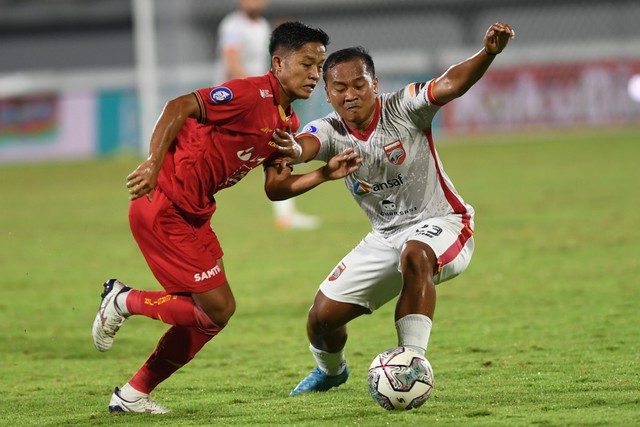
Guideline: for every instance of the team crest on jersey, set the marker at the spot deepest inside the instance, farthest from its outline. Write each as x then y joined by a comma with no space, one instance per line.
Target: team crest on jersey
310,129
221,94
395,152
337,272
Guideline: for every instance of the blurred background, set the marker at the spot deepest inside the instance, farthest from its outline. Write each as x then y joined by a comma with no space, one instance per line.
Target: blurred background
83,79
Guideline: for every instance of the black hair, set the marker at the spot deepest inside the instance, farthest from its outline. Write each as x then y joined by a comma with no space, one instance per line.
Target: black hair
344,55
293,35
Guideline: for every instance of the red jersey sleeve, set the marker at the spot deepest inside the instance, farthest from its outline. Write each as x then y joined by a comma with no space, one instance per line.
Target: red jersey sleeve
225,103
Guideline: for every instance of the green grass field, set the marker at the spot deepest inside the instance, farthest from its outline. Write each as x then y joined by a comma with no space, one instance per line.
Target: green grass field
542,329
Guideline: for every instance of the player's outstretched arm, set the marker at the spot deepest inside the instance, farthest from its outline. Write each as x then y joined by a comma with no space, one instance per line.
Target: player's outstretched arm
280,184
143,180
460,77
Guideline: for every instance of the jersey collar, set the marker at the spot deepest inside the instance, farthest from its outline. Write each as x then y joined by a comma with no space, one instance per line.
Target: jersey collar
363,136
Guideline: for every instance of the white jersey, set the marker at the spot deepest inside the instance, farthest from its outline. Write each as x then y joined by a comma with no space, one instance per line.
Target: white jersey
401,181
250,37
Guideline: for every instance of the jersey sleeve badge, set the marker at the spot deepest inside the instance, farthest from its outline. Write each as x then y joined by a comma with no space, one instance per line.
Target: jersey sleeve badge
310,129
221,95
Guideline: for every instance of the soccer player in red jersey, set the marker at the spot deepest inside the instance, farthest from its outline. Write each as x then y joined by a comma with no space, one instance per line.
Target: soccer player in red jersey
203,142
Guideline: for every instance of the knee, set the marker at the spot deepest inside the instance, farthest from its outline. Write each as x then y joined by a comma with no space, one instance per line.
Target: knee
313,319
418,259
225,314
222,314
318,321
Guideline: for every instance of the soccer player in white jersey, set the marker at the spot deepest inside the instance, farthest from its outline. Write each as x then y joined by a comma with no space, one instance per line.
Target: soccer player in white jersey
422,228
243,37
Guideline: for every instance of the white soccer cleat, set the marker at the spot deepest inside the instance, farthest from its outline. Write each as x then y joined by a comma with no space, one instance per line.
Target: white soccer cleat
297,221
108,320
144,405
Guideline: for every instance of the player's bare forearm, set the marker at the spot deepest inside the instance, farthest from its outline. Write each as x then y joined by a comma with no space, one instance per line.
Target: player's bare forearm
459,78
294,185
143,180
280,184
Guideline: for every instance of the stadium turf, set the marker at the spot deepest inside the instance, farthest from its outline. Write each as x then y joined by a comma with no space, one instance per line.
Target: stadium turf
540,330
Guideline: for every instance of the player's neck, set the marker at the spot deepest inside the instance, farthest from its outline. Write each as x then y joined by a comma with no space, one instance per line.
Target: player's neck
364,126
252,16
285,98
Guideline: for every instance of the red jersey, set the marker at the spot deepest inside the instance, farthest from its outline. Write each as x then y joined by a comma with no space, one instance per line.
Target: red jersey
231,138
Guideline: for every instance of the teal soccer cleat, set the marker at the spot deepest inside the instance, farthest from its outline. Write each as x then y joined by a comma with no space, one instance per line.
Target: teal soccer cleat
319,381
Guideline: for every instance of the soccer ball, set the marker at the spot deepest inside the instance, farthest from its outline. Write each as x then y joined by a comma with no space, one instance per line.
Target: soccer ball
400,378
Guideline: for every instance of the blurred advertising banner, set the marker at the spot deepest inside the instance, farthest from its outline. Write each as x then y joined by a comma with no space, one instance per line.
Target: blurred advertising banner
46,127
65,126
33,117
529,97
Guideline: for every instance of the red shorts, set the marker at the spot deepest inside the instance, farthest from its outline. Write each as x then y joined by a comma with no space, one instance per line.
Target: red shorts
182,252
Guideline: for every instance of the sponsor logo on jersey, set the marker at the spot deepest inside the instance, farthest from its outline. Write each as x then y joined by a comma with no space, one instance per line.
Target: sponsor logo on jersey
337,272
267,130
362,189
389,208
310,129
395,152
221,94
245,154
207,274
266,93
244,169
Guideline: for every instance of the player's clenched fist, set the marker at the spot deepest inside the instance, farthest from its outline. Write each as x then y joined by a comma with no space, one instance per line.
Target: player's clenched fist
497,38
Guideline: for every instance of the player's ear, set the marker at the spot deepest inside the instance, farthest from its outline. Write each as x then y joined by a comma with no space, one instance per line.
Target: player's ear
277,62
375,85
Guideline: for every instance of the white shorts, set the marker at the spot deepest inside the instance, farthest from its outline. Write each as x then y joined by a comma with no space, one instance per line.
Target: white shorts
370,274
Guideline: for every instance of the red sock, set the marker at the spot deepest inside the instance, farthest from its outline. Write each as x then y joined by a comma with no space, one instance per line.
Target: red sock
175,349
177,310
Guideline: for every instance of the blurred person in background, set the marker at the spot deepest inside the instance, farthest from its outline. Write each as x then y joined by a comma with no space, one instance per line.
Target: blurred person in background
244,47
422,228
203,142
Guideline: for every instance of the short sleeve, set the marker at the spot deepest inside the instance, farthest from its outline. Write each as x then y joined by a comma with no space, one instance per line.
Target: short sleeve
418,100
321,130
225,103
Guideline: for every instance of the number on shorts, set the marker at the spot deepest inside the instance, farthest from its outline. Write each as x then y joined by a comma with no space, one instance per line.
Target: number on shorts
429,230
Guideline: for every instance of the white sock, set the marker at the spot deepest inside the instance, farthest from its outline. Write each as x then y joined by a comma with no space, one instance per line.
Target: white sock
130,394
413,331
121,304
329,363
